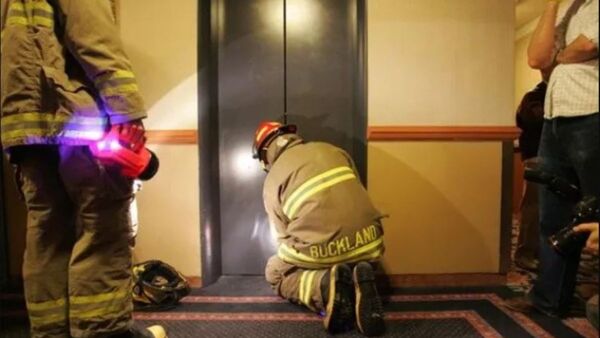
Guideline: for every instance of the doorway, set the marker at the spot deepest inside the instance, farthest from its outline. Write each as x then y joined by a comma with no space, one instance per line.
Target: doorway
295,61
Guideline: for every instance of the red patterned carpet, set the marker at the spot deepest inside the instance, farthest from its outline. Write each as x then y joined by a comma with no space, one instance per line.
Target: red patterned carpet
245,307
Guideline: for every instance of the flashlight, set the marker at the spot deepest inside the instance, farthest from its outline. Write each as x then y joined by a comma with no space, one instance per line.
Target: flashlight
142,164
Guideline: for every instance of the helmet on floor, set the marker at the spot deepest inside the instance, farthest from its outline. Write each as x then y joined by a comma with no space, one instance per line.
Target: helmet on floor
266,132
157,286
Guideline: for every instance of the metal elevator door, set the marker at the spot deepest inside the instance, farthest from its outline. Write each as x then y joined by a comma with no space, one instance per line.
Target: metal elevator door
308,67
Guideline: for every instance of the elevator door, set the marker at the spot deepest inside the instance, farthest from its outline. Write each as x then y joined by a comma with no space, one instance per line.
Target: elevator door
309,69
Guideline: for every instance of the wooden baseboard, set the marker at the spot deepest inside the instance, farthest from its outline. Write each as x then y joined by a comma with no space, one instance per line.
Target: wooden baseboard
195,281
446,133
172,137
446,280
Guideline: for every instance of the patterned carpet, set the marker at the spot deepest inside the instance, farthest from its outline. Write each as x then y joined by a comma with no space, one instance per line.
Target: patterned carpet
587,275
245,307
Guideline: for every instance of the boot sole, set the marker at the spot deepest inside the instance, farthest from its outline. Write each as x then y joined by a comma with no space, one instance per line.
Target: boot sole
340,314
369,310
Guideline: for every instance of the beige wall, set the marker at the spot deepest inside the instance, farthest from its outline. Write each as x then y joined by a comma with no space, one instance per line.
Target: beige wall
169,218
436,62
161,40
443,199
525,78
440,63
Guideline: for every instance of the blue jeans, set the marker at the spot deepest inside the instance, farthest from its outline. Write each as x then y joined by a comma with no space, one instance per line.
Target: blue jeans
569,148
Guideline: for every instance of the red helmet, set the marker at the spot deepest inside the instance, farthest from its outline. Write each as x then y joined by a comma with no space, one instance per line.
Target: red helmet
266,132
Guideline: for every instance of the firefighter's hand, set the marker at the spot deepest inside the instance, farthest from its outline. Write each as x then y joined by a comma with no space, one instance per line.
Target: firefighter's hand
592,242
132,133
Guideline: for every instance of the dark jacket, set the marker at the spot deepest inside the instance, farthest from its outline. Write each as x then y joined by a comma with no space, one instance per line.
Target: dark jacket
530,119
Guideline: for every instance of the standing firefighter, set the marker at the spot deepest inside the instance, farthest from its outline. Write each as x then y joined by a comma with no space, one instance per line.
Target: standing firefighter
65,82
325,223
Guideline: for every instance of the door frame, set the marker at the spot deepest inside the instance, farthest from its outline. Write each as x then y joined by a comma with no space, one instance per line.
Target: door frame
208,127
3,229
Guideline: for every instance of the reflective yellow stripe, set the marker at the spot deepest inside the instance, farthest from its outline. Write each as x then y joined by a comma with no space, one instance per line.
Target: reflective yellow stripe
302,283
115,91
89,135
105,312
17,20
41,14
369,257
42,21
41,117
311,187
308,286
298,191
109,83
39,125
317,189
119,74
37,321
103,297
17,6
42,306
288,253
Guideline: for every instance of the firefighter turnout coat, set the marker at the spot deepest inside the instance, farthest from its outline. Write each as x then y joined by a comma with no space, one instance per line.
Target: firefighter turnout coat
63,81
319,208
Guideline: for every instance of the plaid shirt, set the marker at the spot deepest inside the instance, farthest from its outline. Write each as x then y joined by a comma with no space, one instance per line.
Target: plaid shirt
573,88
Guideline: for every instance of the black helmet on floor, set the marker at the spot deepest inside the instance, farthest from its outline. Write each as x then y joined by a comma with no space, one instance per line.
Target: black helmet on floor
157,286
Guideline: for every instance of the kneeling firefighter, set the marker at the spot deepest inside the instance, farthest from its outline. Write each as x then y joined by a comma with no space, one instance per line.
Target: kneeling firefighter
328,230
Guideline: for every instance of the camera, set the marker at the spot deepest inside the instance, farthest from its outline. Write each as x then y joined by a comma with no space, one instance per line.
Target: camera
587,209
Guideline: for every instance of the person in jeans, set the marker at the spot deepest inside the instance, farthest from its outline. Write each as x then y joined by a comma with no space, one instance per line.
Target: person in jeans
570,143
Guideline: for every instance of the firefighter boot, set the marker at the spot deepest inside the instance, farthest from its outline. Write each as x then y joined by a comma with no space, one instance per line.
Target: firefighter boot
369,309
338,294
155,331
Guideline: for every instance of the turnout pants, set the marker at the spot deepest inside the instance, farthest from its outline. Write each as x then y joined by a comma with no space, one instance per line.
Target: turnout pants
296,284
77,264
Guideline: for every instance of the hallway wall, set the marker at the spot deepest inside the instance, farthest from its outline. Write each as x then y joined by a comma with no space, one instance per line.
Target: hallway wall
441,64
161,40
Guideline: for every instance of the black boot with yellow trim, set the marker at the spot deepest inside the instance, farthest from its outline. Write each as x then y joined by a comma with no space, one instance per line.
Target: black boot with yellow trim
155,331
368,307
338,294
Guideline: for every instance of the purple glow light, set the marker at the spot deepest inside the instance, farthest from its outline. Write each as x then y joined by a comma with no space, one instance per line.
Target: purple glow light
101,145
114,145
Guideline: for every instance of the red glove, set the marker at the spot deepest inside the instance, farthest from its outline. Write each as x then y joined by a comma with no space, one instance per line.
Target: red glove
131,134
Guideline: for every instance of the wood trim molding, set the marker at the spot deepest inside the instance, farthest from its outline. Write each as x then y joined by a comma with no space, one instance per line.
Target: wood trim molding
433,133
172,136
374,133
194,281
